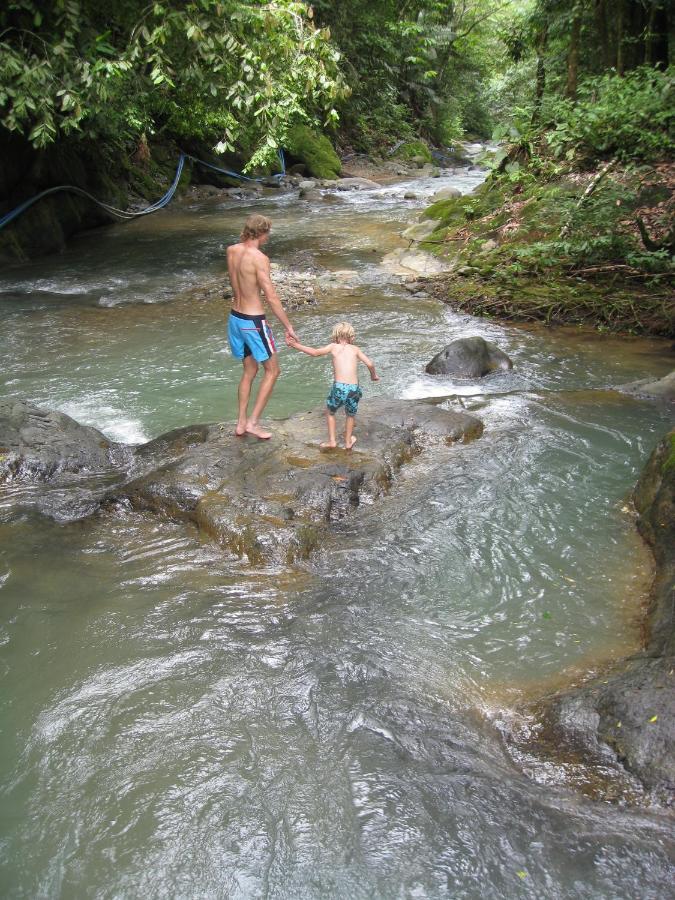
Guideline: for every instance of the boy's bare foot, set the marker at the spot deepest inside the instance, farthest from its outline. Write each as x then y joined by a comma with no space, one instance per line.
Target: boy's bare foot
326,445
258,432
349,444
240,430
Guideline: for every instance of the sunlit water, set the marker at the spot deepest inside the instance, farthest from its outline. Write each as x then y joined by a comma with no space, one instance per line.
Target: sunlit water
177,725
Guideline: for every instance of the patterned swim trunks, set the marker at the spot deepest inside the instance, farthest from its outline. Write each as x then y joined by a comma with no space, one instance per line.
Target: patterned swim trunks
347,394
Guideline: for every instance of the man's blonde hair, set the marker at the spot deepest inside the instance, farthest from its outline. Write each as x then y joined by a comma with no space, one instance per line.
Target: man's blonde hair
255,226
343,331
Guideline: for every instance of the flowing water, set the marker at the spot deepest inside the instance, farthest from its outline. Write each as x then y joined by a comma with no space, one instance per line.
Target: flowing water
176,724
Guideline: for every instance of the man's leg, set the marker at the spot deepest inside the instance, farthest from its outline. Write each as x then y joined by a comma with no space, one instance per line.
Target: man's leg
330,422
272,372
350,440
250,371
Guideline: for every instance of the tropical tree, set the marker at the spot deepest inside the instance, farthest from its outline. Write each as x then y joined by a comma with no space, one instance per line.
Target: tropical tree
226,68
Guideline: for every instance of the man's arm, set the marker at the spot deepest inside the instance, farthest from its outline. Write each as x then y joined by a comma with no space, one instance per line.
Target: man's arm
369,363
266,286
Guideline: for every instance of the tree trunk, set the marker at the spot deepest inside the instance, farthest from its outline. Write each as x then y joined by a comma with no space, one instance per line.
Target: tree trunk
604,33
540,85
650,35
573,58
620,25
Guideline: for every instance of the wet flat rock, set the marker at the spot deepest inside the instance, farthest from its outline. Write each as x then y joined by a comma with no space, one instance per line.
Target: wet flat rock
277,500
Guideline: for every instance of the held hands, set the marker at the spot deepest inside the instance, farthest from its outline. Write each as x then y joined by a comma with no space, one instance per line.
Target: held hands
291,338
374,376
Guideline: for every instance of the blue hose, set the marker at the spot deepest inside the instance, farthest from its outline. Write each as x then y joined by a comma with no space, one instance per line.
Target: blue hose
125,214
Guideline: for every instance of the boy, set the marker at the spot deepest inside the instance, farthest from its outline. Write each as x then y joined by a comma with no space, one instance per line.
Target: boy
345,389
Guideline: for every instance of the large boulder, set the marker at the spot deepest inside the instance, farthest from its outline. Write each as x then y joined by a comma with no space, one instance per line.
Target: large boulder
623,720
470,357
51,464
315,151
356,184
41,444
446,193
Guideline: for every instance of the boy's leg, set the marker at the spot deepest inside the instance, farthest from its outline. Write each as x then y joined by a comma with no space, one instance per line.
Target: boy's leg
350,440
272,372
330,422
250,371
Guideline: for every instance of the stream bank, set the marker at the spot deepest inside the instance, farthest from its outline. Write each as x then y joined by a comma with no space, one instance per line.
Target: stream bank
561,246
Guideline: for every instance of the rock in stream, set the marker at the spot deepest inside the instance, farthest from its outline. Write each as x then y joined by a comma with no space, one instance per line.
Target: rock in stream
267,501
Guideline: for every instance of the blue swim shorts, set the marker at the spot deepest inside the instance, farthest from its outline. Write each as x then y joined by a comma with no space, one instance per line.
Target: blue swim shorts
250,336
347,394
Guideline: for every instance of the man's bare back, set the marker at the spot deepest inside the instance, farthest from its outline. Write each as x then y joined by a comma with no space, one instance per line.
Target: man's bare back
249,269
249,334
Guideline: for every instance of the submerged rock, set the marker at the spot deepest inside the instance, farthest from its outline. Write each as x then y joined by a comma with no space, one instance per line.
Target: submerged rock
470,357
662,389
267,501
624,719
356,184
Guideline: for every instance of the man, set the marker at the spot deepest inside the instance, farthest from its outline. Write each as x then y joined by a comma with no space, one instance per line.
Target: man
249,334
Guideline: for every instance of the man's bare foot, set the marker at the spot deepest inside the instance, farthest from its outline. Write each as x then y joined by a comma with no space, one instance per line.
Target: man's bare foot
352,441
258,432
326,445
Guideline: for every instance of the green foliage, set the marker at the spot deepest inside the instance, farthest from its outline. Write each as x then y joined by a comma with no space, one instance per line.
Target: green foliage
630,117
221,66
415,67
315,150
411,149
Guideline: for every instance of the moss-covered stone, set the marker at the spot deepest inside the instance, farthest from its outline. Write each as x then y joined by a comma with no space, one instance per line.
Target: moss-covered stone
410,149
315,151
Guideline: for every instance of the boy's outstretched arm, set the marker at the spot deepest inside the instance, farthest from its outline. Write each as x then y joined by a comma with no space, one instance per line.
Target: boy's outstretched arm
310,351
369,364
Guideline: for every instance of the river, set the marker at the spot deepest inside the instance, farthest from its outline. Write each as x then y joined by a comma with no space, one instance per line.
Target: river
178,724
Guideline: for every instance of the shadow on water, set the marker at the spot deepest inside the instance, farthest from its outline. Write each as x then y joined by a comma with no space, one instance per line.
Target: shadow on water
177,724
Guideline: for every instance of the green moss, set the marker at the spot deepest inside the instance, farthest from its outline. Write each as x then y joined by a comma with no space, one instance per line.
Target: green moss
315,151
670,461
449,212
411,149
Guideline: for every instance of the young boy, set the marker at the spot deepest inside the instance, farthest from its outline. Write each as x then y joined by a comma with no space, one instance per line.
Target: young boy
345,390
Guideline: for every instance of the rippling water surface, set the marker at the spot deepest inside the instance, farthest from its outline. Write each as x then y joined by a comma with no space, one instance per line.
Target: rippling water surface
176,724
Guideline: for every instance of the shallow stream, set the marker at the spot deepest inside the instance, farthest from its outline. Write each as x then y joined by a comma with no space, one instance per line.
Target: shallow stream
175,724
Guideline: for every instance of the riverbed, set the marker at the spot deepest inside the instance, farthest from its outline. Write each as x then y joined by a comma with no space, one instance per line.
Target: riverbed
177,723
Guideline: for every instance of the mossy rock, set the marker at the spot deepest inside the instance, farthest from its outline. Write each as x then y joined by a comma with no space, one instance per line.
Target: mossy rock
448,212
315,151
411,149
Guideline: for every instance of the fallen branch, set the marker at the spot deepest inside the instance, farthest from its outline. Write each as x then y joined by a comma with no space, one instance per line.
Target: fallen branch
667,243
586,194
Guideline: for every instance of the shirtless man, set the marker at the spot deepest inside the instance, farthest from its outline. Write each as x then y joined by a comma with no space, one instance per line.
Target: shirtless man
249,334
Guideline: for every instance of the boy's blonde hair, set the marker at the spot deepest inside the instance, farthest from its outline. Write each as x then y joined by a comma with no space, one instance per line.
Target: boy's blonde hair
343,331
255,226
